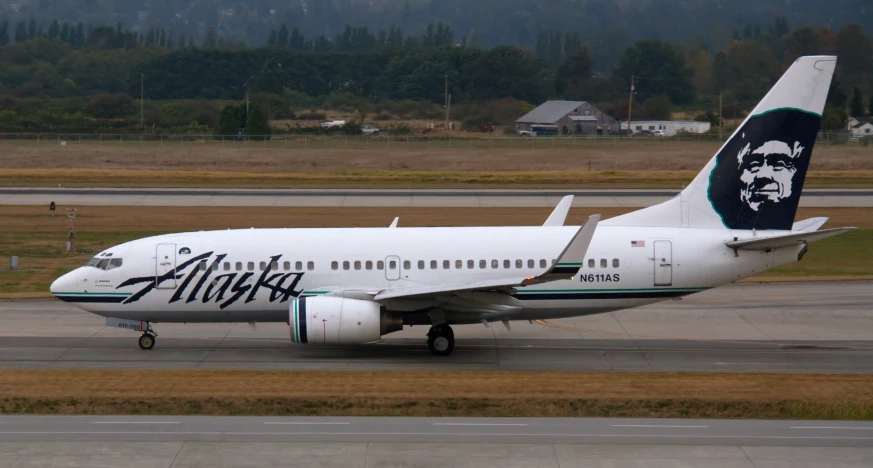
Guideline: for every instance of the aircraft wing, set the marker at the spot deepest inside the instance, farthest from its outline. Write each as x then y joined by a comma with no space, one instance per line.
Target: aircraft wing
567,265
767,244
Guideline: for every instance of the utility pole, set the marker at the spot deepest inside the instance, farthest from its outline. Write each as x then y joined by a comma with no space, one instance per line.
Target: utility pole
446,101
630,105
720,123
142,101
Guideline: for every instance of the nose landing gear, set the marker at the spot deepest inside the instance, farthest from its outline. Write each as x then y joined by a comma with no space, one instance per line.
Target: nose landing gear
441,340
147,339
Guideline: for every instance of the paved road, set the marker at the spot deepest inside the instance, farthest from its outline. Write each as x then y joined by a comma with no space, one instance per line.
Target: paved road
175,441
812,327
380,197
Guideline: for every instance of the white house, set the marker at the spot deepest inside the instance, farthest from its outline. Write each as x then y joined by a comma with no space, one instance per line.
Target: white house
863,128
670,127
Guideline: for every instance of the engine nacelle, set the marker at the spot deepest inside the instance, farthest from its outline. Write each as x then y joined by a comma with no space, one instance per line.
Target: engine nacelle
337,320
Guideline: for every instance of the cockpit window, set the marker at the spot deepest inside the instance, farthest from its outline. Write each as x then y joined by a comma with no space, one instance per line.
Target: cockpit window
105,263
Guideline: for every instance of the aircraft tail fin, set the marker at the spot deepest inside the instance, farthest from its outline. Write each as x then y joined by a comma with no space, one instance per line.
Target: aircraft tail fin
754,181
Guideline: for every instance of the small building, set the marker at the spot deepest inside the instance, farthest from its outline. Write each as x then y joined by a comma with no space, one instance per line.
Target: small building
863,128
669,127
568,117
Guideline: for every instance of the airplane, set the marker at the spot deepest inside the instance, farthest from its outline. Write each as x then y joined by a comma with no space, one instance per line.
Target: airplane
356,285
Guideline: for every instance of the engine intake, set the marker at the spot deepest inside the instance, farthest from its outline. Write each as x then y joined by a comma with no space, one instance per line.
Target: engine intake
337,320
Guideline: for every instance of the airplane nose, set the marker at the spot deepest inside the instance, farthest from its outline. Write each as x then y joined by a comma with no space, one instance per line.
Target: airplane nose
68,283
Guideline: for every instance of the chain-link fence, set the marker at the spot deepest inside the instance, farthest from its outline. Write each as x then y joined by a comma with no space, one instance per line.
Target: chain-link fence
398,142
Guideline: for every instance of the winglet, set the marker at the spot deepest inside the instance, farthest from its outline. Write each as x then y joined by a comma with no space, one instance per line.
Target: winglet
559,215
394,223
570,261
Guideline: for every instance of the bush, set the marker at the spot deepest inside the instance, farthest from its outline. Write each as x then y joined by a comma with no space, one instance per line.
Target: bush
351,128
472,124
312,115
111,106
399,129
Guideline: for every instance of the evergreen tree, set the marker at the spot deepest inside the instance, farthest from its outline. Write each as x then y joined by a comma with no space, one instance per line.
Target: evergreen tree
182,42
856,108
163,40
54,30
870,107
170,38
257,125
282,38
31,29
272,40
65,33
4,32
20,33
211,39
228,121
79,36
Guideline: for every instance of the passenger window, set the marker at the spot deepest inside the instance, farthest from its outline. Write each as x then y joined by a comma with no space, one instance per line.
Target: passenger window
434,265
299,266
346,265
530,263
507,264
421,264
202,265
591,263
357,264
251,266
238,266
495,264
116,263
471,264
542,263
519,263
263,266
407,265
483,264
287,265
446,264
380,265
615,263
226,266
334,265
369,264
392,265
274,265
602,263
215,266
310,266
459,264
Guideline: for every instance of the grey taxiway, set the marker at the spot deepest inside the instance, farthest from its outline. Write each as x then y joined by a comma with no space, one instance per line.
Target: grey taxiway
791,327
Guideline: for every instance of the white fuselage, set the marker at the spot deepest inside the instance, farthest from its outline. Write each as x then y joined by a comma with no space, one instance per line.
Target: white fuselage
253,275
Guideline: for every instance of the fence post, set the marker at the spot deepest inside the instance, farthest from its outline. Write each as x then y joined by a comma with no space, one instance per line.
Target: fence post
305,142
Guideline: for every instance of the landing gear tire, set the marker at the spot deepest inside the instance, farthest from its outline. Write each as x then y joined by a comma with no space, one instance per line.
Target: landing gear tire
146,341
441,340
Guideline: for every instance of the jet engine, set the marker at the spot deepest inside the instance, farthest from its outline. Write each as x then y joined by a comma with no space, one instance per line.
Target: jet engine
337,320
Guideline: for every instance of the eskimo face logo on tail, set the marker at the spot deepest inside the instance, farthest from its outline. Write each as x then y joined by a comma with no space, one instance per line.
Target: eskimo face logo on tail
759,174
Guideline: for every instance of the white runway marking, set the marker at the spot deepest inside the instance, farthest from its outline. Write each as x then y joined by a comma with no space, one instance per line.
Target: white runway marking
659,425
841,428
134,422
477,424
309,423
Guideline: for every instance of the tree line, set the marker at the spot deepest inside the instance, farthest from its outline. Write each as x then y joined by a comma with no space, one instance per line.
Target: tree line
66,61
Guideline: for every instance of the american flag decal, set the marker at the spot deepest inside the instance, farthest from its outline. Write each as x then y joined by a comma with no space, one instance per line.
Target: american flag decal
638,243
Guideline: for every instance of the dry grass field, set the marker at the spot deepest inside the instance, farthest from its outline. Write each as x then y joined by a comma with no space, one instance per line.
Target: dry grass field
330,162
38,239
437,393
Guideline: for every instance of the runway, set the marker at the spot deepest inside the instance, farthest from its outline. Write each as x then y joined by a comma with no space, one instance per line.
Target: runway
177,441
791,327
381,197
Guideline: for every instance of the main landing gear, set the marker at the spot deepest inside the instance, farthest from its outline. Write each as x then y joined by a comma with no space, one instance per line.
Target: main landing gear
441,340
147,339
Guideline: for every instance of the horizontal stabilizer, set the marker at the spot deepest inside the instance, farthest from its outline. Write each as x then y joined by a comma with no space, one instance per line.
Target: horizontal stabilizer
809,225
767,244
394,223
559,215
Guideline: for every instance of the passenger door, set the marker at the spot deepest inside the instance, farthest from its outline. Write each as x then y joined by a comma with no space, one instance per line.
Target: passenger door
165,262
663,263
392,268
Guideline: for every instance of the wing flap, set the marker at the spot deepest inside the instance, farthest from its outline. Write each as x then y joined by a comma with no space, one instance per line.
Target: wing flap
767,244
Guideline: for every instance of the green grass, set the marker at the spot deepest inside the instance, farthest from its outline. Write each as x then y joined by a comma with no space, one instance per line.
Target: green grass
849,254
